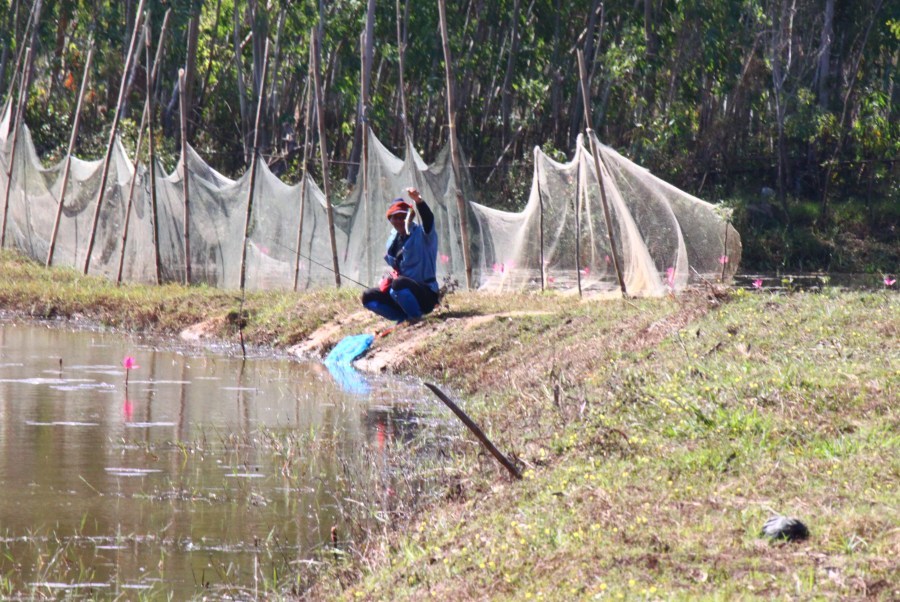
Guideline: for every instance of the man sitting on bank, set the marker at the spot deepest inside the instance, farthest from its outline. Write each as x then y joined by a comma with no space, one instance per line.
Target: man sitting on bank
411,289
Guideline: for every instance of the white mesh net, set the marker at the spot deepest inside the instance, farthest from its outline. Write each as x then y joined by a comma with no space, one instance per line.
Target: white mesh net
662,237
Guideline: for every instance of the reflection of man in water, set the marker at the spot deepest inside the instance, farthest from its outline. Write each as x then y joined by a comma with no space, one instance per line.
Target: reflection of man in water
411,290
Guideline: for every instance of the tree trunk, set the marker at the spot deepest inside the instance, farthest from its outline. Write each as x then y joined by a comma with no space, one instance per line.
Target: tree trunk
576,112
506,91
190,68
368,54
241,84
823,69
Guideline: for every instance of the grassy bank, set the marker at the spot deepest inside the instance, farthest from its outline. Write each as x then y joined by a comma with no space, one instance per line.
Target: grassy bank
656,436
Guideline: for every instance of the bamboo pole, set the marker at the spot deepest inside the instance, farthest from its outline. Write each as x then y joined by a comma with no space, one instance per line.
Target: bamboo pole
454,151
367,208
598,167
185,183
320,110
68,164
254,161
151,148
18,117
507,464
151,72
303,186
580,180
112,137
540,217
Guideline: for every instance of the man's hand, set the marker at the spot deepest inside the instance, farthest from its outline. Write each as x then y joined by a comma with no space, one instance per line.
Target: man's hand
414,195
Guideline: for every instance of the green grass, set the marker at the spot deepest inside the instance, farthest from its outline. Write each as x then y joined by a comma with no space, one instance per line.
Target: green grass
656,437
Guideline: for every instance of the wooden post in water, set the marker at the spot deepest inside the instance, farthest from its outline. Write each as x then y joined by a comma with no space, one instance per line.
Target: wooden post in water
19,116
323,152
507,464
454,151
76,121
112,136
598,167
254,161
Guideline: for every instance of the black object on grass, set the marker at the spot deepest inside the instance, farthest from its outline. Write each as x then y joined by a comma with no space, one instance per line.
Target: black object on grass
784,527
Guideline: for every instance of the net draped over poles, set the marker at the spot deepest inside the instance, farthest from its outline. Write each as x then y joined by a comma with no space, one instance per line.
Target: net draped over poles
663,237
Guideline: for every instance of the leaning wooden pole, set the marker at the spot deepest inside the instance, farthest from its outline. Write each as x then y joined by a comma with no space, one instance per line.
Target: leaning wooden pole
598,167
185,180
112,136
18,117
67,167
507,464
367,204
323,153
151,72
303,174
151,148
454,150
254,161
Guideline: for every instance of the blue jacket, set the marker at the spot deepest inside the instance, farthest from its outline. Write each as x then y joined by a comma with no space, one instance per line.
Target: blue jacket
415,255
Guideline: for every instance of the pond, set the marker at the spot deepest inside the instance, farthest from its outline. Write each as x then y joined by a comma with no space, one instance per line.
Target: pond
203,475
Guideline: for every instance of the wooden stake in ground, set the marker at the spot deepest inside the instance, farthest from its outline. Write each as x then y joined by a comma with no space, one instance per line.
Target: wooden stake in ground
254,154
19,116
597,166
454,151
68,165
541,218
320,110
112,136
476,431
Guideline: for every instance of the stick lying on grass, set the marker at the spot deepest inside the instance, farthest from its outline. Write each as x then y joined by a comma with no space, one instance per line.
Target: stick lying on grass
477,431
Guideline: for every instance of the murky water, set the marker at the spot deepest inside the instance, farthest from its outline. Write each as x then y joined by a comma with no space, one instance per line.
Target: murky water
180,483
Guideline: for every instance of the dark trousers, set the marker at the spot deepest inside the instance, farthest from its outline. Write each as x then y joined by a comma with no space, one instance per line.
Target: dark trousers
405,299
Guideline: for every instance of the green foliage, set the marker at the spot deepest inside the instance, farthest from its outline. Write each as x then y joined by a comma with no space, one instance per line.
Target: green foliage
689,92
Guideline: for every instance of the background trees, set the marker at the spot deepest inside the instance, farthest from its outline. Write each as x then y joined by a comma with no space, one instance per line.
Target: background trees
785,109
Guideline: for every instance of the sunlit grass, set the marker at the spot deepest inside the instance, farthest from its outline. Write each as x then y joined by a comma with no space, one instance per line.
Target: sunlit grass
656,437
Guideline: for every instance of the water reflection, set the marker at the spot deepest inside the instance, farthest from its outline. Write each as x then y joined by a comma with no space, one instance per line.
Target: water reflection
204,472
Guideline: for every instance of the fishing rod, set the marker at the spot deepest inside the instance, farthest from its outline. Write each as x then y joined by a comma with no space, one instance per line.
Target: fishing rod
321,265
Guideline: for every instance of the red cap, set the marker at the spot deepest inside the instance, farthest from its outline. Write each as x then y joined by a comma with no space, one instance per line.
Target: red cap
399,206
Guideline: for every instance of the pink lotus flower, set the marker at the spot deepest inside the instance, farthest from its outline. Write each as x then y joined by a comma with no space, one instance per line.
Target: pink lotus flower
888,281
129,363
757,283
723,259
670,277
444,258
